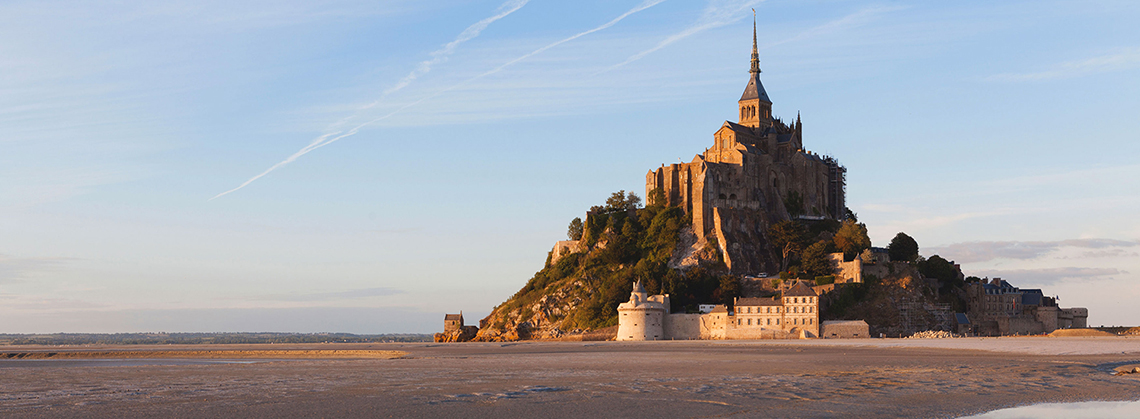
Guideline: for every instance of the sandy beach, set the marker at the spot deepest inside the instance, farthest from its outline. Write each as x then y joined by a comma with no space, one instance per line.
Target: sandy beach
810,378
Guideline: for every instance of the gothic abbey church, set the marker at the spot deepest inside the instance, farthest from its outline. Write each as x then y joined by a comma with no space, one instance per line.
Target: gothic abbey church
757,172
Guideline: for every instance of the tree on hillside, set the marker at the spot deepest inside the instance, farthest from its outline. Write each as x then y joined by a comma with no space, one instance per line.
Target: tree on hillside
656,198
574,232
903,248
794,203
944,270
815,261
789,239
727,291
852,239
622,201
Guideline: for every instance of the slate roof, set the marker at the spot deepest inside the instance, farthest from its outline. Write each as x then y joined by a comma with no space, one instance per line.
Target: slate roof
844,323
452,317
752,149
743,134
800,290
1032,297
961,318
637,288
752,302
755,89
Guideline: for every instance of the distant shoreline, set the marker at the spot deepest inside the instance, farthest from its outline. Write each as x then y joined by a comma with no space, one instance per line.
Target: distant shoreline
198,338
203,354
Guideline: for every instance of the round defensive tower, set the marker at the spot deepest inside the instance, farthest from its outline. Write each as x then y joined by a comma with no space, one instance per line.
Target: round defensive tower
641,317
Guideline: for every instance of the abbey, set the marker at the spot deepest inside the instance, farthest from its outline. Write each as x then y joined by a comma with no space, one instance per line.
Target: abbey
757,172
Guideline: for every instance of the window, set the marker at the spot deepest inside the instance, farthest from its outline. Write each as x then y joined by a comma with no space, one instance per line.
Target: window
749,322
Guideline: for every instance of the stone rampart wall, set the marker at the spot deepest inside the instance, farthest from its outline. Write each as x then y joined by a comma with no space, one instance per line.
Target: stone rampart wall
846,271
682,326
563,248
756,333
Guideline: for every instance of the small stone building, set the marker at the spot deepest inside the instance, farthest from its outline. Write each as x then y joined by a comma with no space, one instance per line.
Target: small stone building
452,322
454,330
845,329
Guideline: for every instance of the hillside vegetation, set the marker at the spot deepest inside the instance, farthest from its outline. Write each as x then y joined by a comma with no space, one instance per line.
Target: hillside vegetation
623,244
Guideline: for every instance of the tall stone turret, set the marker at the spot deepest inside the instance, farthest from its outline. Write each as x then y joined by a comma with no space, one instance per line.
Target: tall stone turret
641,318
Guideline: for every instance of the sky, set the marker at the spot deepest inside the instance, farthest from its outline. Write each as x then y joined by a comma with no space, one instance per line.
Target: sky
367,166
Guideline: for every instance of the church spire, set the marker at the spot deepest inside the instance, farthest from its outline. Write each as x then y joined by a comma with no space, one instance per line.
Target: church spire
755,53
755,107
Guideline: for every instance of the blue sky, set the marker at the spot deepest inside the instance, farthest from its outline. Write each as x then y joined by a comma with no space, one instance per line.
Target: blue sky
1003,136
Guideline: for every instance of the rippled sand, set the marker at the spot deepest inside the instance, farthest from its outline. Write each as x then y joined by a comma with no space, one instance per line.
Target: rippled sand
855,378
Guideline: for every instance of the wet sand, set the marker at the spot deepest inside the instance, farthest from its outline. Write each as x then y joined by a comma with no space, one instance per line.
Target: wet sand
816,378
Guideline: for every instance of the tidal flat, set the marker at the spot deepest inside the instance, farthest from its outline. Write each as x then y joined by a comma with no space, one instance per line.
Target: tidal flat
937,378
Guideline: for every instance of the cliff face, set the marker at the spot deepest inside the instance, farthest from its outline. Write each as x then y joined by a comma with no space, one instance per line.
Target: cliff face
545,318
743,239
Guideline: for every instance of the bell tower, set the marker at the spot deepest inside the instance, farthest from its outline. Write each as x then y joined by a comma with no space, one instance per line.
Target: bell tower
754,106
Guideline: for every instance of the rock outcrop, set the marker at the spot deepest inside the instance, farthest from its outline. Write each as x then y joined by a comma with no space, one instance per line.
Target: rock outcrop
463,334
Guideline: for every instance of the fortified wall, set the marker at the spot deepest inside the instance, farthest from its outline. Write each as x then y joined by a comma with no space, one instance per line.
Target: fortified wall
998,308
794,315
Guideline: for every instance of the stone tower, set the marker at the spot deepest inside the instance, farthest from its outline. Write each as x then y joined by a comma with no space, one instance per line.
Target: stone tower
755,107
642,317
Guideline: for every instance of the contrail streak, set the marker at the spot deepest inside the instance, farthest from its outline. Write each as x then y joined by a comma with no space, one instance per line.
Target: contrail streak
714,16
644,5
326,140
441,55
437,56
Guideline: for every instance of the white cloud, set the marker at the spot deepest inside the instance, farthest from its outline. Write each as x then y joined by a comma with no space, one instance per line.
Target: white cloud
18,269
1124,60
353,294
984,251
1047,276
